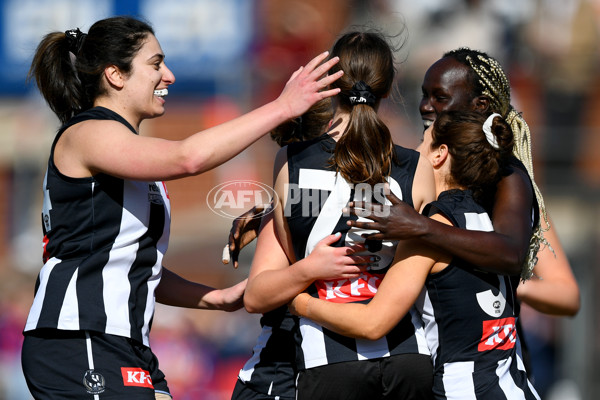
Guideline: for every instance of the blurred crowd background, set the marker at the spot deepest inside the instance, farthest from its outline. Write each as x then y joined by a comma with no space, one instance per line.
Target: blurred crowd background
230,56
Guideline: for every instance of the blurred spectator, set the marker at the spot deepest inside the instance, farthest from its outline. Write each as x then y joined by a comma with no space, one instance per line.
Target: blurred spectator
563,36
290,31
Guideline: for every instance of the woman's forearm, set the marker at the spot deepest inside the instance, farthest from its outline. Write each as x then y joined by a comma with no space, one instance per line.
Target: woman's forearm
273,288
174,290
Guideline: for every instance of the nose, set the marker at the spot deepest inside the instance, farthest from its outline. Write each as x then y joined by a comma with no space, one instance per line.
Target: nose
425,106
168,76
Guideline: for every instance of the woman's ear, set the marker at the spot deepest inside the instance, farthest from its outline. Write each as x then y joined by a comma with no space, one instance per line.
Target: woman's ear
481,104
439,156
114,77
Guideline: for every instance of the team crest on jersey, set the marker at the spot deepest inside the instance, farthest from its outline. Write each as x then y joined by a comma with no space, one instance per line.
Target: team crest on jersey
136,377
154,195
94,382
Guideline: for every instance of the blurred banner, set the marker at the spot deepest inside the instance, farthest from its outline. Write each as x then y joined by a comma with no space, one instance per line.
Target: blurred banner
204,40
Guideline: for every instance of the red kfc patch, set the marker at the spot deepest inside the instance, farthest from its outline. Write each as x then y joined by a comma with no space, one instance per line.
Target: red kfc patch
136,377
349,290
498,334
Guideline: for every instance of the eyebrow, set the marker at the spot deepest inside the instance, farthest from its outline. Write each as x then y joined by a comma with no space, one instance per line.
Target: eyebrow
159,56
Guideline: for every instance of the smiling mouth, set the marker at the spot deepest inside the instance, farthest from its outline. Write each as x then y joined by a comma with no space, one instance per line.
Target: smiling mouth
427,123
161,92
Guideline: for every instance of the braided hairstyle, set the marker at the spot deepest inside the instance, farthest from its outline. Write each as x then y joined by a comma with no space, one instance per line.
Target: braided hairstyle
487,78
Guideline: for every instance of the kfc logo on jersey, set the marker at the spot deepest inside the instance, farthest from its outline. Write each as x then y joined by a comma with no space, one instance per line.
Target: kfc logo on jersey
349,290
136,377
498,334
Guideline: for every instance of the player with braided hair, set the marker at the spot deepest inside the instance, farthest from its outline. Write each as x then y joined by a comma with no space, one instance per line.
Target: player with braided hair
493,83
463,80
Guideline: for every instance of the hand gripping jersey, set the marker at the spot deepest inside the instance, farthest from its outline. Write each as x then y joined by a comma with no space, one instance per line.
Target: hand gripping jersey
313,211
470,319
104,240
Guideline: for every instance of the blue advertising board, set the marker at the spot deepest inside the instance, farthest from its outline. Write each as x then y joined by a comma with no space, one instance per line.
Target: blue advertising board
205,41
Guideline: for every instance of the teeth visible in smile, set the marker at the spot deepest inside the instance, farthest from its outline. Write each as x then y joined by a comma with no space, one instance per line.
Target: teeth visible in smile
427,123
161,92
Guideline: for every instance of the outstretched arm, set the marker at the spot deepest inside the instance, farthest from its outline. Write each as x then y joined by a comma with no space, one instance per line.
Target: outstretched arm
109,147
553,289
502,251
173,290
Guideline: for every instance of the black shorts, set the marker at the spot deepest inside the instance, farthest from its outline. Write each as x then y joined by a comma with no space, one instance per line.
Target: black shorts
80,365
241,391
405,376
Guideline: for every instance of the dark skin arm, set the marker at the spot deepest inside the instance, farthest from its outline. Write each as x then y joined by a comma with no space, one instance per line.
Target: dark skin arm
502,251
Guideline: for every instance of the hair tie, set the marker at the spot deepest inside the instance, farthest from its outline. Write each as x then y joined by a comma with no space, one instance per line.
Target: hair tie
487,129
361,94
75,40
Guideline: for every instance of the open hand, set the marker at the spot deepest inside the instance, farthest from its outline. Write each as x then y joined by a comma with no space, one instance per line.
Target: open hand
308,85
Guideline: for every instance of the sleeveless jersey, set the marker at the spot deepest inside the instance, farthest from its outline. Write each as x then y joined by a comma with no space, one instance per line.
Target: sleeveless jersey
316,196
271,369
104,240
470,319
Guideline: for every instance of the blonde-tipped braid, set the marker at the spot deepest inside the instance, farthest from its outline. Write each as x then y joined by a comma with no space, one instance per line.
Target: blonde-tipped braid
497,87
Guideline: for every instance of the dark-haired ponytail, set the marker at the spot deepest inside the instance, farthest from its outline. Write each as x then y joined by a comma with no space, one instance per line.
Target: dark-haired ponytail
55,75
68,66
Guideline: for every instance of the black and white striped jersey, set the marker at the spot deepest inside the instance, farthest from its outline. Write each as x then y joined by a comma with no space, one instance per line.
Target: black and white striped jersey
470,319
104,240
272,368
316,197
